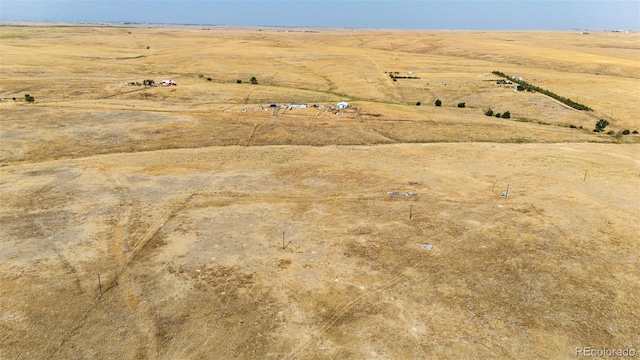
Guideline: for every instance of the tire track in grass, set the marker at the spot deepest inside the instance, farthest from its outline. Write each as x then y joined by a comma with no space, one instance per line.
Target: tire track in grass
144,320
173,209
250,140
410,272
380,68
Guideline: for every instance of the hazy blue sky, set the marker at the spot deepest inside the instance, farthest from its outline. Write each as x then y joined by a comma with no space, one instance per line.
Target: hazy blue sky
393,14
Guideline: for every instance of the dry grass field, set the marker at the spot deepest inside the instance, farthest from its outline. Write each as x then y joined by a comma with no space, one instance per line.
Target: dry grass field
194,222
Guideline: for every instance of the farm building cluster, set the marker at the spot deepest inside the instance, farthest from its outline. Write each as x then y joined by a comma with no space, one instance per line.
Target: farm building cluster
276,108
340,105
148,82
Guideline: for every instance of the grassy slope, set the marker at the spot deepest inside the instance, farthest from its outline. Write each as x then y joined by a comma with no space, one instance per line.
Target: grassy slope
148,187
71,69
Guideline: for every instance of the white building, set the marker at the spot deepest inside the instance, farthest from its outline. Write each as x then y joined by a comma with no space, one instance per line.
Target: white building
342,105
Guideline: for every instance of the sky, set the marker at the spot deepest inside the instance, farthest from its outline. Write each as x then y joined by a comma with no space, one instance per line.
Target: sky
379,14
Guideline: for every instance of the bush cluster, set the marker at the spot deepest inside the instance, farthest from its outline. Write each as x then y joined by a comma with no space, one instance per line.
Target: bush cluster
505,115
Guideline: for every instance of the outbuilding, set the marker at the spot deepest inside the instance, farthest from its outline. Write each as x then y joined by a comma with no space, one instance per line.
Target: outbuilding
342,105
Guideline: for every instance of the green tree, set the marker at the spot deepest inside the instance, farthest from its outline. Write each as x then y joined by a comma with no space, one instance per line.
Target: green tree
28,98
461,105
600,125
438,102
506,115
489,112
253,80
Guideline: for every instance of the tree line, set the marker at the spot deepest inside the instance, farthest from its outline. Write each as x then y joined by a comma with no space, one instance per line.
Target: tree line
529,87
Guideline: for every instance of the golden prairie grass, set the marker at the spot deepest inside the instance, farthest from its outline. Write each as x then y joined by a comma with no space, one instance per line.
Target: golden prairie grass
526,272
73,64
85,68
180,197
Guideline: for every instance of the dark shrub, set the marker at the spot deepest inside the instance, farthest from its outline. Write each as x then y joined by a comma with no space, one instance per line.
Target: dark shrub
461,105
600,125
489,112
438,103
506,115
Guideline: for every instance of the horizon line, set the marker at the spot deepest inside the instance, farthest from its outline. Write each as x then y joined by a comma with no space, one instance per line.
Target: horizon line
14,22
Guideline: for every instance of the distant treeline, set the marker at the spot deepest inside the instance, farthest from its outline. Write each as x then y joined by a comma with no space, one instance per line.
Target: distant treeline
531,87
394,77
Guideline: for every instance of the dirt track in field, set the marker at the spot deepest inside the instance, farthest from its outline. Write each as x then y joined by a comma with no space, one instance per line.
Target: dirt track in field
189,247
221,231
